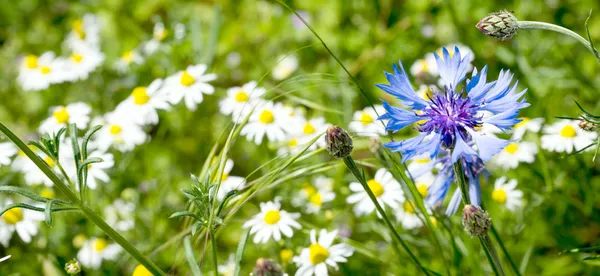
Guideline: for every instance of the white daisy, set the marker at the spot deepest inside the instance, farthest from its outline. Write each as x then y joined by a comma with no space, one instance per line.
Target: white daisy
85,31
272,222
142,106
120,215
97,171
427,65
75,113
365,123
39,73
188,85
421,165
505,193
33,175
268,119
566,136
285,67
83,61
228,269
307,130
318,194
407,216
228,182
240,100
95,250
127,59
119,132
423,182
7,151
514,153
527,124
385,188
25,222
322,253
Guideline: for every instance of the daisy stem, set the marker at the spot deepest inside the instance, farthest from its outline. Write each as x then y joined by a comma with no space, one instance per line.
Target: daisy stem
485,240
535,25
361,178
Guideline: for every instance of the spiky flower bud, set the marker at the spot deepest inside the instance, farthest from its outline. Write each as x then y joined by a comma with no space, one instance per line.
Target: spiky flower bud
339,143
587,126
72,267
266,267
476,221
502,25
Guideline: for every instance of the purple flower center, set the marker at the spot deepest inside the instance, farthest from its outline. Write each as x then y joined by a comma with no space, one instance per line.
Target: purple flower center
449,114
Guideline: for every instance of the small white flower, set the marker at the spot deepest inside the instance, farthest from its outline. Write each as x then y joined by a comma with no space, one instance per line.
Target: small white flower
127,59
505,193
285,67
85,31
227,269
95,250
423,66
142,106
39,73
240,100
150,47
159,32
179,31
423,182
322,253
75,113
83,61
188,85
566,136
514,153
306,130
527,124
7,151
120,215
272,222
365,123
119,132
97,171
385,188
25,222
228,182
270,119
233,59
318,194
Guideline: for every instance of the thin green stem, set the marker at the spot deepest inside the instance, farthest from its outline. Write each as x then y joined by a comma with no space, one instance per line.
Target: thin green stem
64,173
360,177
485,240
535,25
213,242
505,251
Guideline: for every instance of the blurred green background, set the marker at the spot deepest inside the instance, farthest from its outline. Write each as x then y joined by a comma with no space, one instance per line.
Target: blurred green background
368,36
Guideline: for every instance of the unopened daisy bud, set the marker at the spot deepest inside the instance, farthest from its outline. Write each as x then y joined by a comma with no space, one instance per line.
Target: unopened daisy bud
72,267
502,25
339,143
476,221
266,267
587,126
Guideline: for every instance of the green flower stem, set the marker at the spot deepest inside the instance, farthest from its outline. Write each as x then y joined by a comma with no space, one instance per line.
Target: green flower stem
535,25
510,260
87,211
486,241
360,177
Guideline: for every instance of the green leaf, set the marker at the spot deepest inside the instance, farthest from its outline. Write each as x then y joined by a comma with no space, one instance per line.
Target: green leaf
48,212
23,192
88,162
86,138
189,254
76,153
239,253
185,214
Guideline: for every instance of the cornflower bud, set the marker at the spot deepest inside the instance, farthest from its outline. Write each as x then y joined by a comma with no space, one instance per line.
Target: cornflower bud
266,267
476,221
72,267
339,143
502,25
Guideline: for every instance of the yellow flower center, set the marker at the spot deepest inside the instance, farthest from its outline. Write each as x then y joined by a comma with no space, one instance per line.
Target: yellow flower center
187,79
499,195
408,207
309,189
47,193
512,148
375,187
433,220
292,143
78,28
45,70
128,58
77,58
318,253
309,128
522,122
424,66
266,117
568,132
100,244
140,95
13,216
115,129
315,199
141,270
423,160
272,217
365,118
161,35
49,161
241,96
61,115
286,255
31,61
422,188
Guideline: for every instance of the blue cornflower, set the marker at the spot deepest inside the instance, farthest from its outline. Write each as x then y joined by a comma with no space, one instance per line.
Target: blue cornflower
449,120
